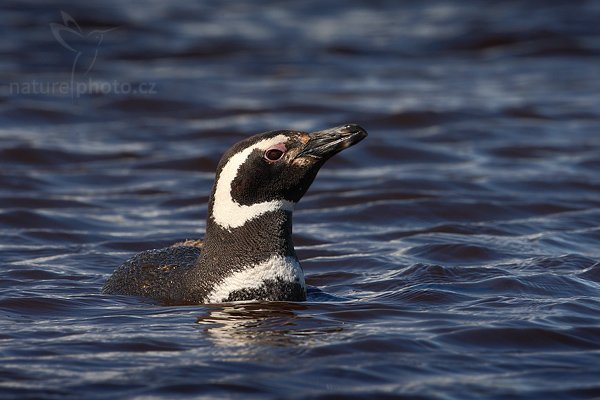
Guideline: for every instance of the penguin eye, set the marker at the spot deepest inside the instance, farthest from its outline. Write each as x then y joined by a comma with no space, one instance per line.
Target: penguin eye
275,153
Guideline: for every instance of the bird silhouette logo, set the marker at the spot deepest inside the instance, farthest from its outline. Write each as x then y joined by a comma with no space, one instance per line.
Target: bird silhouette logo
84,46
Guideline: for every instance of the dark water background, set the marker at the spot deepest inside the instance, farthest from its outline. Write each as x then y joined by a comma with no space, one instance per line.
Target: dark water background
455,251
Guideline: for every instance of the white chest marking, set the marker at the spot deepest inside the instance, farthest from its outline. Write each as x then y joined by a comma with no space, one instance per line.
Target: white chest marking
286,268
226,211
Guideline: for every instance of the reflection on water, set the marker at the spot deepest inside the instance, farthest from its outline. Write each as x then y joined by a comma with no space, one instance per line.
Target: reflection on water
264,323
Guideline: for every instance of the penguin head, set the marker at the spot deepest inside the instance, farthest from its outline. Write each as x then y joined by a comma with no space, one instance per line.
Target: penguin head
272,171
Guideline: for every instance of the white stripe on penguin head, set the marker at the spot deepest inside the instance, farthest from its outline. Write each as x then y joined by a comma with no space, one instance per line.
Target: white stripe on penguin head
227,212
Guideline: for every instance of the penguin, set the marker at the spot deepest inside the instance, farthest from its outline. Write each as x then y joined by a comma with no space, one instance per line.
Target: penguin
247,252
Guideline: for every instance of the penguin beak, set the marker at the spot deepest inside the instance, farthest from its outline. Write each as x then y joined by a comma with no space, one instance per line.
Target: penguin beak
324,144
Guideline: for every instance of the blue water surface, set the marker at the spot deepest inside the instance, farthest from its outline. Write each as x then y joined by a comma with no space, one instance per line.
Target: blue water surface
453,254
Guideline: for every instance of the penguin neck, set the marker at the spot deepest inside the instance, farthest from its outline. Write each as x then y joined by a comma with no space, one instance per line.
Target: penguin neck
258,239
